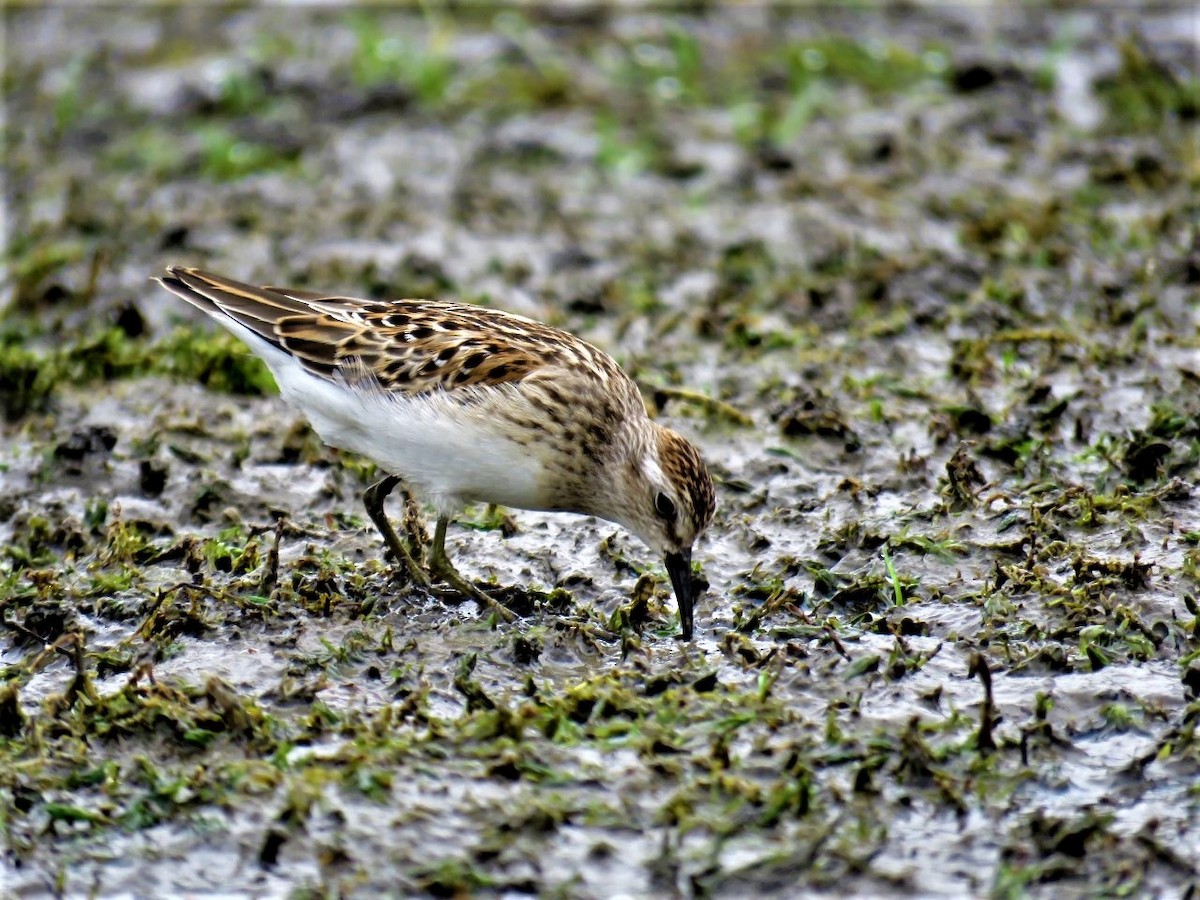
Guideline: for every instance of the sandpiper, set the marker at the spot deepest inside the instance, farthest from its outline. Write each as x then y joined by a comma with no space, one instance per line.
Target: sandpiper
462,404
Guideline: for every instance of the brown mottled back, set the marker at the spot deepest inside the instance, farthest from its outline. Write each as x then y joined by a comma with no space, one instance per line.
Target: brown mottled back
408,346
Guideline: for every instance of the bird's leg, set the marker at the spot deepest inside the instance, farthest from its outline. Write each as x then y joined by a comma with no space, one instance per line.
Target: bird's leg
373,498
441,567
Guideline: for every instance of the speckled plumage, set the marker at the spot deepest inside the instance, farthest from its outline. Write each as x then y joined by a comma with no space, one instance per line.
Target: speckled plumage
468,404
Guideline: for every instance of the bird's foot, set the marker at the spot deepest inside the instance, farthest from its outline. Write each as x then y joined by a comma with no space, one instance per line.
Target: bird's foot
406,558
408,569
441,569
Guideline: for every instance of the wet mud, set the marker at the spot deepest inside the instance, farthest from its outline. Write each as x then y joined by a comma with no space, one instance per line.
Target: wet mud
922,284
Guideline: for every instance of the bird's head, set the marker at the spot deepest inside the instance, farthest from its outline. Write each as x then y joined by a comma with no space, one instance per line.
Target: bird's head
667,500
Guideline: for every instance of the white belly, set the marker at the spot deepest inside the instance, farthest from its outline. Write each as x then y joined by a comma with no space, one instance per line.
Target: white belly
450,455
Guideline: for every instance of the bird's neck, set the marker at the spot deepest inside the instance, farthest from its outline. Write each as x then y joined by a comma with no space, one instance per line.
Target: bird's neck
616,470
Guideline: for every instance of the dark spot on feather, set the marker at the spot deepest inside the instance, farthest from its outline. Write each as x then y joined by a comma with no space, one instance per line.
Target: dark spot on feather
499,372
421,332
374,309
397,320
553,411
324,370
309,349
429,368
397,372
474,360
447,353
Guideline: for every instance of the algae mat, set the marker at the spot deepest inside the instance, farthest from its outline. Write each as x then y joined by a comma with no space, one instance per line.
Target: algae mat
922,282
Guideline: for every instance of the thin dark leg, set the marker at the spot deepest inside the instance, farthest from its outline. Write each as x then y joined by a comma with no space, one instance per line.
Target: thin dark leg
373,498
441,567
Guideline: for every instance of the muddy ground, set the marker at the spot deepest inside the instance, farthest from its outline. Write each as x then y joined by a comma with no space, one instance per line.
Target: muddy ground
921,282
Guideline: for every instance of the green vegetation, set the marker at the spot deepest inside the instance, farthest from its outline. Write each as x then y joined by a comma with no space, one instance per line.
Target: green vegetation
30,377
385,58
938,343
1145,94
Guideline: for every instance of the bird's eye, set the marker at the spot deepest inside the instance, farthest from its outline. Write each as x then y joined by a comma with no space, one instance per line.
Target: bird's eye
664,506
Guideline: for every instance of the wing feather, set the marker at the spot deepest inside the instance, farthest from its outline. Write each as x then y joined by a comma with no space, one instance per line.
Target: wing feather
407,346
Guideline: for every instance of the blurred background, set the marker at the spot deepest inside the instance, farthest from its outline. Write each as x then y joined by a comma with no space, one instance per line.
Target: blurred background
584,154
920,278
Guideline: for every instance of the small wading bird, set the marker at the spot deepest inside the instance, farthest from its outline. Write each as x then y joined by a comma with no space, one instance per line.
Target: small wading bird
463,404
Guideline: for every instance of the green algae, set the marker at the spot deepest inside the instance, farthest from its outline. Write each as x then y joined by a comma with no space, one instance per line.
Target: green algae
941,372
31,376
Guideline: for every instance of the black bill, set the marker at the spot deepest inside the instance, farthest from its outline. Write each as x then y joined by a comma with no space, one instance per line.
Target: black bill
679,567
